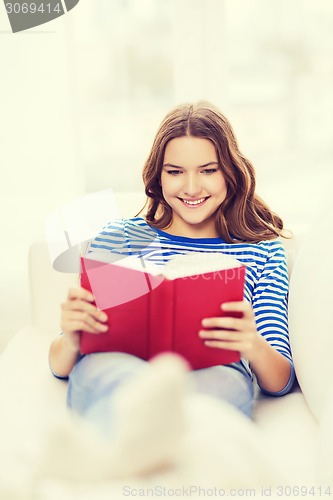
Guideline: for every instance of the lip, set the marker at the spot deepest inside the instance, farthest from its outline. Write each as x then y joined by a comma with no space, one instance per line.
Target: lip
194,202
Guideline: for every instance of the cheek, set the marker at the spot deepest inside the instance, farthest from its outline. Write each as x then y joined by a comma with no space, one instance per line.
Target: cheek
220,187
169,184
163,183
224,190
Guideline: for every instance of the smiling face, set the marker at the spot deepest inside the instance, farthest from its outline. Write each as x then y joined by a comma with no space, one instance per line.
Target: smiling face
193,186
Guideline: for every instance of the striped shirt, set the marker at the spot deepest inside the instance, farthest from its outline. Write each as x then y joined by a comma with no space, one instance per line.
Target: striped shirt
266,280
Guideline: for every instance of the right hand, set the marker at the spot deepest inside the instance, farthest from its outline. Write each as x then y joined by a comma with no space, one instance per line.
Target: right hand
77,314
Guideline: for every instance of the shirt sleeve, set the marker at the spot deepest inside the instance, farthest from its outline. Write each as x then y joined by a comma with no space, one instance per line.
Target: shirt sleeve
122,238
270,306
58,376
111,239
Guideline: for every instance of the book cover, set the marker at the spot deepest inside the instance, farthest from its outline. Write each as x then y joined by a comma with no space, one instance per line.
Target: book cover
152,309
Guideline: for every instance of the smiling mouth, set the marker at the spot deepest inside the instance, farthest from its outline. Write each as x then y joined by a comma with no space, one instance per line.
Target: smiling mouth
194,203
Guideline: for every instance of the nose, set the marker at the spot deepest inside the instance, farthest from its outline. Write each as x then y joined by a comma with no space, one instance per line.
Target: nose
192,186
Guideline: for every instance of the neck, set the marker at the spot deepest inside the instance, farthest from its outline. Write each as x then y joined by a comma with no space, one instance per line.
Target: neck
195,231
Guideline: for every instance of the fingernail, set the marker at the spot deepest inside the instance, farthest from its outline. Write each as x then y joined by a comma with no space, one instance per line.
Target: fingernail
103,317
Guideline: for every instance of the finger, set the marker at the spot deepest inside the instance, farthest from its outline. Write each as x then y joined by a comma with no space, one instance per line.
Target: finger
241,306
81,323
82,326
86,318
227,322
228,346
225,335
80,293
78,304
83,306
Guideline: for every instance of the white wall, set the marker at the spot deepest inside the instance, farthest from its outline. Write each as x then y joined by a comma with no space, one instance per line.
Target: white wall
268,65
38,153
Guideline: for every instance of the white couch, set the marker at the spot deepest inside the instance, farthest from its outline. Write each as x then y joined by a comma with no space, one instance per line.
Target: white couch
287,433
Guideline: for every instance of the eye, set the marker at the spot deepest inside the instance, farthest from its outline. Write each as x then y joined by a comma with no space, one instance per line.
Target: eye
173,172
208,171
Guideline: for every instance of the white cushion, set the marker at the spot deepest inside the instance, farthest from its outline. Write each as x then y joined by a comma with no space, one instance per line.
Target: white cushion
310,311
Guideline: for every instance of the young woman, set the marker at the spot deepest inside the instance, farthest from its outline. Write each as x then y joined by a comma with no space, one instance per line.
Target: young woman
200,197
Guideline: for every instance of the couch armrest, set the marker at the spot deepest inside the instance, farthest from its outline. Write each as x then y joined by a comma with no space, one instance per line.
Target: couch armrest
48,288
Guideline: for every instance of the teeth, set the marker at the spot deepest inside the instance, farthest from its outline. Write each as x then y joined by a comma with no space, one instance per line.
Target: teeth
196,202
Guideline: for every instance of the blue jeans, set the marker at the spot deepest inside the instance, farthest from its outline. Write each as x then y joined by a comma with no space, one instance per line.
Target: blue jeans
96,376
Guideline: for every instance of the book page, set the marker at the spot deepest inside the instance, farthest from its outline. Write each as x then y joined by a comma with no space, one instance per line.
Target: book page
196,263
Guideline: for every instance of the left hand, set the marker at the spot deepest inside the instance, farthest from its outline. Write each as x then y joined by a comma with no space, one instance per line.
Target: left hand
238,334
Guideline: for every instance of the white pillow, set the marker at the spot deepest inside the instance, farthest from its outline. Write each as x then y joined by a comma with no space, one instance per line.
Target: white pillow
310,311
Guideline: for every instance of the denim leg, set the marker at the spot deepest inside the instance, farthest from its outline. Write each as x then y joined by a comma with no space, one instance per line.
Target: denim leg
93,381
226,382
96,377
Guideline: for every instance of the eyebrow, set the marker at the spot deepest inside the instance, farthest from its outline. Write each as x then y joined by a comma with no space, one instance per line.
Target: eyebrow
200,166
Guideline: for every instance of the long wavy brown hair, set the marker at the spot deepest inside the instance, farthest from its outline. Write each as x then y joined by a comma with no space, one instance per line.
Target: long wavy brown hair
242,215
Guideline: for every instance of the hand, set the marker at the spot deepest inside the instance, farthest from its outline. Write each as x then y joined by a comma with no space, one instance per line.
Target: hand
238,334
78,313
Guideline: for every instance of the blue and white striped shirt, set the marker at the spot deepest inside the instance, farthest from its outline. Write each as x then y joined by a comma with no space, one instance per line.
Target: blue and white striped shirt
266,281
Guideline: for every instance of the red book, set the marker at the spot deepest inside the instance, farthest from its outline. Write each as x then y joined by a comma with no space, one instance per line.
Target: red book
150,311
